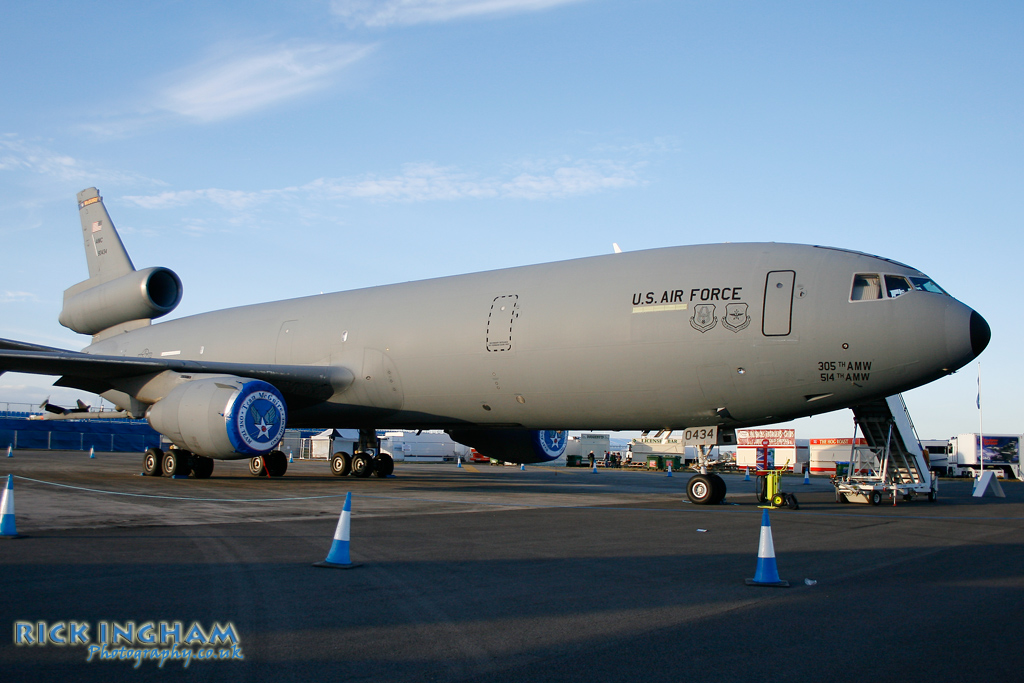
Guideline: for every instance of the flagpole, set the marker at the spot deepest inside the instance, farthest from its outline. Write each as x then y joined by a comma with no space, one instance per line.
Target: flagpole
981,428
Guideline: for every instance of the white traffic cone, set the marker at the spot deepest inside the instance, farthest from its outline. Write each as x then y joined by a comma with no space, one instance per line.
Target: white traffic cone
807,475
10,451
290,458
669,469
459,460
746,474
92,452
338,557
767,573
8,528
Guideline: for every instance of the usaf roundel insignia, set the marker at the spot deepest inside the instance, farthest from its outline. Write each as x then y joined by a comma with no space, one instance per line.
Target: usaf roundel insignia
552,442
260,418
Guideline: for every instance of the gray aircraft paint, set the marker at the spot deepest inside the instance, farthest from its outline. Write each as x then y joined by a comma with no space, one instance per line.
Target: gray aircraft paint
731,334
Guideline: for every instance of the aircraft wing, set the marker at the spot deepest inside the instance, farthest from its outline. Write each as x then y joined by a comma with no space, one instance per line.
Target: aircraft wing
95,373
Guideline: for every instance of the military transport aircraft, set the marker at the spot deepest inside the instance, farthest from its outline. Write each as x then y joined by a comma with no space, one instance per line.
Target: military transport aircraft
702,338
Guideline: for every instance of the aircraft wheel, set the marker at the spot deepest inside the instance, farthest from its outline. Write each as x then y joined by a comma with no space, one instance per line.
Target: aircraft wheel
876,497
700,490
175,463
384,465
362,465
718,489
276,463
341,464
778,500
202,467
257,466
152,461
791,502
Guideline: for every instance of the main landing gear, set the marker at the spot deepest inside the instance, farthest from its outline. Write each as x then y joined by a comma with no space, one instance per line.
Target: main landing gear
366,461
175,463
272,464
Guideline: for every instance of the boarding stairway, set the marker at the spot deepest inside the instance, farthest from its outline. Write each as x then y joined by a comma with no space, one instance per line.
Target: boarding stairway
886,426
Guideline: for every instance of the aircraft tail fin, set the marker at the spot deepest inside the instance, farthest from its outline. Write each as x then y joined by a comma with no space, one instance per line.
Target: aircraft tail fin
104,251
115,298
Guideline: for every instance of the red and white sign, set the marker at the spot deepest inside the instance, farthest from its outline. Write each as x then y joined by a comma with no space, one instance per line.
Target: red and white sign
765,437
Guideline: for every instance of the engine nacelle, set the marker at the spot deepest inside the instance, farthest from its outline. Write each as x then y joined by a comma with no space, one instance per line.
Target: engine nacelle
514,445
227,418
139,295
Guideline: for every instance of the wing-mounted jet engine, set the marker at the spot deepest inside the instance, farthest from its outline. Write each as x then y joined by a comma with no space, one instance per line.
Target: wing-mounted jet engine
514,445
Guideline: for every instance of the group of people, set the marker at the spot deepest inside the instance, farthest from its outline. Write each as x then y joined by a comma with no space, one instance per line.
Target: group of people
611,459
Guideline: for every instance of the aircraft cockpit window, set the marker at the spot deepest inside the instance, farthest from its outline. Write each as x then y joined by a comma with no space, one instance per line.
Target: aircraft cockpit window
896,285
923,284
866,287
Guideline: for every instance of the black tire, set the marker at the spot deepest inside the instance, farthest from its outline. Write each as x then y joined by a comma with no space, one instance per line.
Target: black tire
341,464
152,462
700,490
257,466
384,465
718,488
362,465
175,463
778,500
761,489
202,467
276,463
842,498
791,502
876,497
933,496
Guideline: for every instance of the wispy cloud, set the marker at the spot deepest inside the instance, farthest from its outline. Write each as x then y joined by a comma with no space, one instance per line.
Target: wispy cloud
229,85
378,13
8,297
426,182
18,155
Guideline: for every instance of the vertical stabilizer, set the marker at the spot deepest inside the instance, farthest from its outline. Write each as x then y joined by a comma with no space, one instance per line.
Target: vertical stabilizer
104,251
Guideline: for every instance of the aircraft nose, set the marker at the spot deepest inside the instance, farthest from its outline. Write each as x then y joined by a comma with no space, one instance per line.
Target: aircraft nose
981,333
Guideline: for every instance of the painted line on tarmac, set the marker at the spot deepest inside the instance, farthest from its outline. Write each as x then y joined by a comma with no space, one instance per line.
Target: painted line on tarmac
536,506
151,495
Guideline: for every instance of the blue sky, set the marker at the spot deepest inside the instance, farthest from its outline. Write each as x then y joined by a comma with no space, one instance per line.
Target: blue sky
271,150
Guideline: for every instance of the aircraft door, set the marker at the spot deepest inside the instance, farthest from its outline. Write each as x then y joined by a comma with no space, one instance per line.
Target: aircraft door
778,303
285,338
500,321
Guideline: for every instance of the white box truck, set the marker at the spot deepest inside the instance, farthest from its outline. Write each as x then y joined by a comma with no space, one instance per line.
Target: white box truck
1000,451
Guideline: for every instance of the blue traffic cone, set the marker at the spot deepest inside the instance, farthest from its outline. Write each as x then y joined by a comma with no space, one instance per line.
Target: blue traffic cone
10,451
670,469
459,460
807,475
746,474
522,468
8,529
338,557
767,573
594,469
92,452
290,458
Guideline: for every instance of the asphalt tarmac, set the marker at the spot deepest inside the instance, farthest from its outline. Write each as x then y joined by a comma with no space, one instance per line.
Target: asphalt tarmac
496,574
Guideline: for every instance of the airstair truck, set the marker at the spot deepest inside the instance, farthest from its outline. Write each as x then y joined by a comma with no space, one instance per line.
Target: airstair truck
1001,452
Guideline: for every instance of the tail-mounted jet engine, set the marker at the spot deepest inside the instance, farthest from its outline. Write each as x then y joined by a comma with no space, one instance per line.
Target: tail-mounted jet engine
224,417
514,445
139,295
